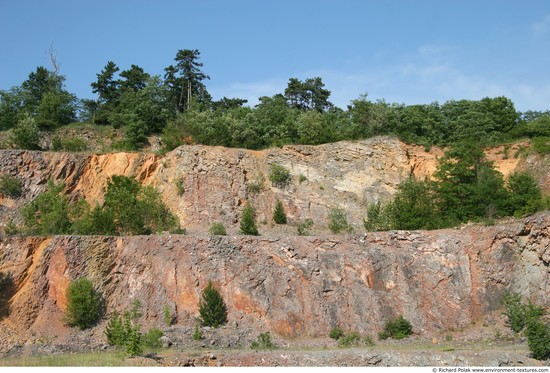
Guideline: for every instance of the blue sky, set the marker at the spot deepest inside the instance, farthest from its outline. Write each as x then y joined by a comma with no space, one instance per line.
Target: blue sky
401,51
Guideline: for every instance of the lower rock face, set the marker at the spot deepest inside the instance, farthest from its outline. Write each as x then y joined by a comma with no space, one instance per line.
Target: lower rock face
293,286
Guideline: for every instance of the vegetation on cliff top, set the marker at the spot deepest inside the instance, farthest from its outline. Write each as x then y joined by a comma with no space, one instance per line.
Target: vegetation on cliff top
179,107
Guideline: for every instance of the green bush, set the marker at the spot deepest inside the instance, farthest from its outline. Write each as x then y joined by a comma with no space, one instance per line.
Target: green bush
217,229
49,212
248,225
541,145
130,209
519,313
116,331
398,328
167,315
179,187
538,338
279,175
351,339
279,214
263,342
83,304
212,309
25,134
151,339
74,145
134,342
302,229
336,333
514,310
338,221
10,186
11,229
197,334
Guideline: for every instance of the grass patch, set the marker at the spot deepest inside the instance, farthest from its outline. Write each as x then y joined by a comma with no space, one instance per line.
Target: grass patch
91,359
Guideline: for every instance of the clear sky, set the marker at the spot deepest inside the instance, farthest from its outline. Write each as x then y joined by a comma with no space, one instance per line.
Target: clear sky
405,51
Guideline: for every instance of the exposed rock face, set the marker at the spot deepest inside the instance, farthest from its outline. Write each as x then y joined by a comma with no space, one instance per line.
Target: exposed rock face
216,182
294,286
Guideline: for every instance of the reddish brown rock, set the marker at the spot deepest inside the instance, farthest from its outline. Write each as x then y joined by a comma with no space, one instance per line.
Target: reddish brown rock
293,286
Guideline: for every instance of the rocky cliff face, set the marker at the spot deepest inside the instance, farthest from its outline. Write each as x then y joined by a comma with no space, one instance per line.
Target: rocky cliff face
293,286
206,184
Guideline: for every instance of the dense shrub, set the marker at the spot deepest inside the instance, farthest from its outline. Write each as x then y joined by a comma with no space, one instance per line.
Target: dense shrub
302,229
217,229
467,188
398,328
212,309
25,134
263,342
279,175
83,304
130,209
10,186
525,196
49,213
151,339
519,314
351,339
337,221
248,225
538,338
279,214
336,333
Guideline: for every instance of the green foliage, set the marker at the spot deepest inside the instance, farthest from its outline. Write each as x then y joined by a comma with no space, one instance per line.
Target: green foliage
49,213
538,338
302,229
514,310
151,339
263,342
541,145
302,178
351,339
525,196
125,332
279,175
133,344
25,134
115,331
248,225
197,334
217,229
519,313
255,186
336,333
413,207
469,188
10,186
83,304
398,328
279,214
179,187
212,309
74,144
11,229
338,221
167,315
131,209
528,317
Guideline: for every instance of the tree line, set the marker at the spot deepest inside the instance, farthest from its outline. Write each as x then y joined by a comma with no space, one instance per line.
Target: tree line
178,107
